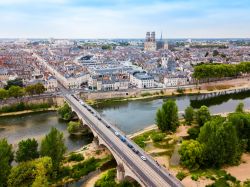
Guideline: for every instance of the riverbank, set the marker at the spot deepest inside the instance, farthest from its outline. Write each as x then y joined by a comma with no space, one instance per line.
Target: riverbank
29,111
101,99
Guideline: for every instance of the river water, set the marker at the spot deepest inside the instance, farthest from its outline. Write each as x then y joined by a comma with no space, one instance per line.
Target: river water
129,117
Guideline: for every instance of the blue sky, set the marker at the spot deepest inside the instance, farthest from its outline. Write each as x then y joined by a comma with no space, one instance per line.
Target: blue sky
124,18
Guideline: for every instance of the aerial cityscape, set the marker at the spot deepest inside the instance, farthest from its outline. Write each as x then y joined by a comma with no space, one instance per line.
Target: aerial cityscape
121,93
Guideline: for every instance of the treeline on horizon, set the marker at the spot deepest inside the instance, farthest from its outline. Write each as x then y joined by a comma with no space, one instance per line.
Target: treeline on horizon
206,71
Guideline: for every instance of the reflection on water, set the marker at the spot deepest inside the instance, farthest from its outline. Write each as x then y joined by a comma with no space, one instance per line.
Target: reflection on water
129,117
16,128
135,115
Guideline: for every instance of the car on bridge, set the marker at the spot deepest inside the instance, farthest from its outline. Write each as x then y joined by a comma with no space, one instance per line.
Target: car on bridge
116,133
123,138
143,158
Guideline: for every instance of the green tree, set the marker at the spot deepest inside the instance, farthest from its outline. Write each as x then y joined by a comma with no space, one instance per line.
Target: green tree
221,142
73,127
240,108
107,179
27,150
241,121
167,116
65,112
35,89
202,115
192,154
6,157
3,94
39,88
53,146
31,173
193,132
189,115
15,82
15,91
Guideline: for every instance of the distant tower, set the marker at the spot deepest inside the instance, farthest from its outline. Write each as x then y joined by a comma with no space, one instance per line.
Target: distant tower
153,36
162,44
150,42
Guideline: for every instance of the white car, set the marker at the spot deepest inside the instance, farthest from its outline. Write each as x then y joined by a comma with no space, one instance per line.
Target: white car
116,133
143,158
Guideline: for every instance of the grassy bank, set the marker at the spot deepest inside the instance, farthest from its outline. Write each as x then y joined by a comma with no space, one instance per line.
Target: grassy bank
23,108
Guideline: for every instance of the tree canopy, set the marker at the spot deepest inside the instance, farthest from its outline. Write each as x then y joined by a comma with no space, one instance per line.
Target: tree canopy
221,142
202,115
6,157
189,115
53,146
192,154
65,112
27,150
167,116
32,173
206,71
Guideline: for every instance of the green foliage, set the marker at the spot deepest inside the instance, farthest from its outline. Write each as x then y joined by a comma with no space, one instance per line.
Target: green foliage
107,47
202,115
53,146
240,108
75,157
241,121
15,82
157,137
4,93
27,150
181,175
65,112
246,183
15,91
35,89
73,127
84,168
206,71
189,115
146,94
6,157
140,141
31,173
167,116
192,154
107,179
24,106
193,132
221,142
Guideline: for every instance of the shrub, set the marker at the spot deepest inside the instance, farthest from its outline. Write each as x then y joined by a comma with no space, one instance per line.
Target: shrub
146,94
193,132
157,137
75,157
180,175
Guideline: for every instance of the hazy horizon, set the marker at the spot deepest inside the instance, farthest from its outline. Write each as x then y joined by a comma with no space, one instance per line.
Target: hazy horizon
113,19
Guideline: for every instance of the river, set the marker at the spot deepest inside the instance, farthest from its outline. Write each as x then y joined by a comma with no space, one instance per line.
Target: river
128,116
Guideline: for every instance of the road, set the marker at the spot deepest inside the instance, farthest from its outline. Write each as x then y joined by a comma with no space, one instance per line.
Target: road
151,174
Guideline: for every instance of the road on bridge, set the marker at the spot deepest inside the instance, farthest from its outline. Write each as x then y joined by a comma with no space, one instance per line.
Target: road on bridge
150,173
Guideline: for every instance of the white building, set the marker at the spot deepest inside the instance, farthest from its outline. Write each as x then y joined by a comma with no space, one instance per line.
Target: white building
170,81
141,79
51,84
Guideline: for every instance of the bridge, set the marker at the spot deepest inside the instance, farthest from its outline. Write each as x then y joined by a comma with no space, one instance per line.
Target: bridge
132,161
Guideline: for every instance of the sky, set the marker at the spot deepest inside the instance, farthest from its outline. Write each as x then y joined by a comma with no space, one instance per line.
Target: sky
124,18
